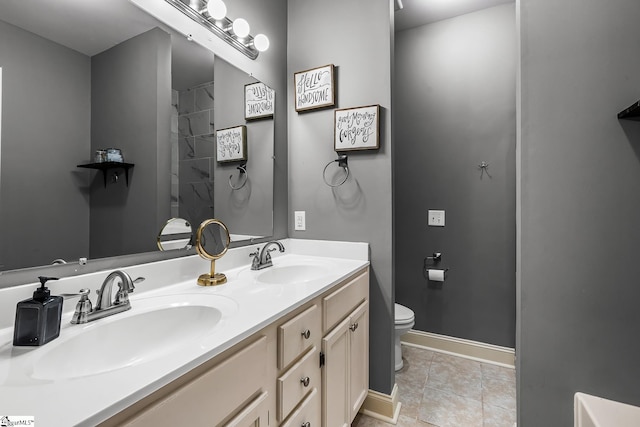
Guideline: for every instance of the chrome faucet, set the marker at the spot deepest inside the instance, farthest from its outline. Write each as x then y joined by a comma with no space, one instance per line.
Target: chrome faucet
262,258
106,305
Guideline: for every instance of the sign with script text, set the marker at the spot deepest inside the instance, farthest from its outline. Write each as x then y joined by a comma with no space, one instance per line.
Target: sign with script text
314,88
259,101
357,128
231,144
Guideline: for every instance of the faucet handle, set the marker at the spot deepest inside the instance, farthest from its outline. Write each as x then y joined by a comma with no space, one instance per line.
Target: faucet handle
83,307
125,287
82,293
255,262
135,282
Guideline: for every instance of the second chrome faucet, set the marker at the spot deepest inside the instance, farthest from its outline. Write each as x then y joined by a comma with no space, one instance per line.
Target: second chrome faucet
106,305
262,257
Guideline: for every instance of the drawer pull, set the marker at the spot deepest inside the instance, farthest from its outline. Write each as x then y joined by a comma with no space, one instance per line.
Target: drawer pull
354,327
307,424
305,381
306,334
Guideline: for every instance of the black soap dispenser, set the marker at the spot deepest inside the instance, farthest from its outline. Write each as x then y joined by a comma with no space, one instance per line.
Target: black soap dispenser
38,319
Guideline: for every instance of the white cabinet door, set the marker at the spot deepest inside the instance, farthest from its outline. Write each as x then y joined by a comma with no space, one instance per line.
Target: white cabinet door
335,372
213,396
359,357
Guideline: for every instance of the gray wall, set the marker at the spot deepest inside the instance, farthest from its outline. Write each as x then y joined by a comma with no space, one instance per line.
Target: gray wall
131,110
580,203
46,111
454,107
249,210
355,36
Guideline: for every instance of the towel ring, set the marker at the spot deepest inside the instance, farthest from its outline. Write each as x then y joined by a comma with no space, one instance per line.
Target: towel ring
342,163
243,171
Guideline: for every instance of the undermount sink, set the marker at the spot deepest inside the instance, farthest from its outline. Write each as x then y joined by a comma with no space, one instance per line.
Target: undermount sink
289,271
290,274
153,327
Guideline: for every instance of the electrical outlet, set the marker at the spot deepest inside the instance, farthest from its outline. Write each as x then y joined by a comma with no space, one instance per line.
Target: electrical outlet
435,218
300,223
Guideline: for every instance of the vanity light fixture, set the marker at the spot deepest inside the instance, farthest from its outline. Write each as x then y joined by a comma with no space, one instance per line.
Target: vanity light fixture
241,28
217,9
212,15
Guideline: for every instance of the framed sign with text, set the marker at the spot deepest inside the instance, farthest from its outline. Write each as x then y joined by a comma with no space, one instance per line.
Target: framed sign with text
259,101
357,128
231,144
314,88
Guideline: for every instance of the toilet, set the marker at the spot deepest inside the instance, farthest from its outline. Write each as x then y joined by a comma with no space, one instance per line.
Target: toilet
404,319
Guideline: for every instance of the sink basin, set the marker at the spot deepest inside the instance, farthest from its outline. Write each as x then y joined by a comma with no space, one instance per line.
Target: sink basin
291,274
153,327
289,270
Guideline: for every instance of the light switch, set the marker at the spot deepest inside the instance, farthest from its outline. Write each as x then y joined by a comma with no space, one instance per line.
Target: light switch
435,218
300,223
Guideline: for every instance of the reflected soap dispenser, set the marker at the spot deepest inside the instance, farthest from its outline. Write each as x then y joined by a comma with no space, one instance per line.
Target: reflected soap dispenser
38,318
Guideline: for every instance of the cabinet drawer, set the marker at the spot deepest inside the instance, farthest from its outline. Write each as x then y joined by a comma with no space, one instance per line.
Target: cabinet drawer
340,303
213,396
255,414
308,412
291,385
293,339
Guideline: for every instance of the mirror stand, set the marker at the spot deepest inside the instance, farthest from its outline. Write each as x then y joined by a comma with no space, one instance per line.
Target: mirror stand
212,242
213,278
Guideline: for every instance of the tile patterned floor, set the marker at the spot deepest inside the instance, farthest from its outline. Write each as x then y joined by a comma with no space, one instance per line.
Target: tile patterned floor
439,390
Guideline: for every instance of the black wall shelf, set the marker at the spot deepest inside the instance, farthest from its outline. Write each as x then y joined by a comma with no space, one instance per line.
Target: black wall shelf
631,113
105,166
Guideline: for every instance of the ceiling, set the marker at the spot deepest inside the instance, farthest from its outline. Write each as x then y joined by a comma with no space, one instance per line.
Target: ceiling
89,27
92,26
420,12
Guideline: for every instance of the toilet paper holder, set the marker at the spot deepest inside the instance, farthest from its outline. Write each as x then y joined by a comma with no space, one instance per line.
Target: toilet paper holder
435,258
429,263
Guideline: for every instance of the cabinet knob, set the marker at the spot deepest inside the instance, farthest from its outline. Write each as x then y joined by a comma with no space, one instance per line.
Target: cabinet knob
305,381
306,334
354,326
307,424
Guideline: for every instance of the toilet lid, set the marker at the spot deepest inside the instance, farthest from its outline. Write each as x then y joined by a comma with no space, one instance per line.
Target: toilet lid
403,314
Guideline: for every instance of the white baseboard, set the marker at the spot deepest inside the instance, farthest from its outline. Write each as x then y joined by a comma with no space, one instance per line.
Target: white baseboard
487,353
382,406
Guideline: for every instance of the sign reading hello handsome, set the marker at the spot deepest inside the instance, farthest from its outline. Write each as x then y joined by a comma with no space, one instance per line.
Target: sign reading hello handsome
314,88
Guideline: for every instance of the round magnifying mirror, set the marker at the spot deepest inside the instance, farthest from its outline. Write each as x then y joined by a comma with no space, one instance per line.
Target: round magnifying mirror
212,242
175,234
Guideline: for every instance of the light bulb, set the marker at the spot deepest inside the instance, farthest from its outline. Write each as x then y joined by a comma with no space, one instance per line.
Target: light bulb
241,28
217,9
261,42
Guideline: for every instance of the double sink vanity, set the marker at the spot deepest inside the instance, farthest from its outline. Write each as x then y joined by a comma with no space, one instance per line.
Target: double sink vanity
286,345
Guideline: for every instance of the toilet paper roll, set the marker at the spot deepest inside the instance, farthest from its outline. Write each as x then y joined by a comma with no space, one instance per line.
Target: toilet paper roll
437,275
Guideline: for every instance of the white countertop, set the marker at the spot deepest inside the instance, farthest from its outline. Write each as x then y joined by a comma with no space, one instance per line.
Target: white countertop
89,400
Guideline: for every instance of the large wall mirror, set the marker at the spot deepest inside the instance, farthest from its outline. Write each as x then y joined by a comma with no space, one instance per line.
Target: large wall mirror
80,76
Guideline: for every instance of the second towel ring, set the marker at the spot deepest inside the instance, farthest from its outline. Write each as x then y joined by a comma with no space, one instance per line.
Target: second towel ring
342,163
243,171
